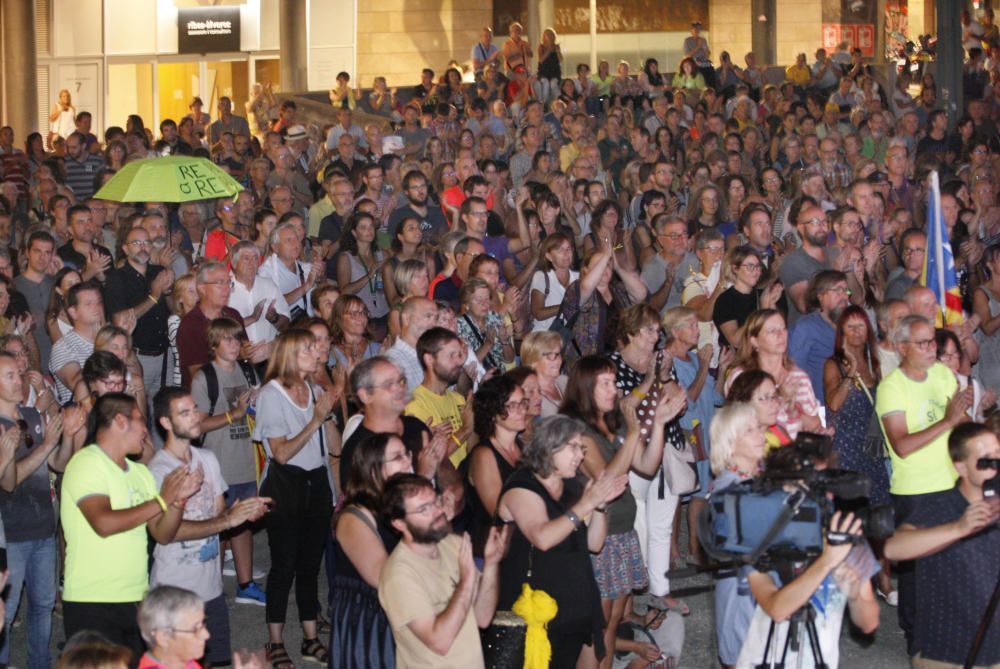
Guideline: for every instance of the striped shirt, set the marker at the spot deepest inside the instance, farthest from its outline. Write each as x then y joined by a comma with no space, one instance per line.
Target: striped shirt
80,175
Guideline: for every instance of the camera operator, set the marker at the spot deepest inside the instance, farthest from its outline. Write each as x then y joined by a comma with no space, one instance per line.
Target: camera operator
839,578
738,443
955,540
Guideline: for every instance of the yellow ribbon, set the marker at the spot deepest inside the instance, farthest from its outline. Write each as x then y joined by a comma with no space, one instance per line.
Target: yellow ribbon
537,608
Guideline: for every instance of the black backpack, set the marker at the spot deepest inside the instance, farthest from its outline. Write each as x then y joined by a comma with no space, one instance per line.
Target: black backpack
212,387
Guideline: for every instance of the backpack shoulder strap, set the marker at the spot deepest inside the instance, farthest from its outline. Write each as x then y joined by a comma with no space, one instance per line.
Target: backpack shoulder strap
211,386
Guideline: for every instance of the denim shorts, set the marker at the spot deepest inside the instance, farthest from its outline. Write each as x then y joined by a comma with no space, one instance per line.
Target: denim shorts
239,491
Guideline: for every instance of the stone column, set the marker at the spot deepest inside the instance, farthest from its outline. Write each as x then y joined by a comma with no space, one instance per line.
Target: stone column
292,39
20,70
949,59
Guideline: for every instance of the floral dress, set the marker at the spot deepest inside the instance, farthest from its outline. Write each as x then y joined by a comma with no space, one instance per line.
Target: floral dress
859,443
475,337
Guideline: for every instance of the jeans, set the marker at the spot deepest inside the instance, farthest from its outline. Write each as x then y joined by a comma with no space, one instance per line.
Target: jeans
32,566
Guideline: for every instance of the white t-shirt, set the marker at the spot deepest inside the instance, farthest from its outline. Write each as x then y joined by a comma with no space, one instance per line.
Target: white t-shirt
192,564
244,301
279,416
556,293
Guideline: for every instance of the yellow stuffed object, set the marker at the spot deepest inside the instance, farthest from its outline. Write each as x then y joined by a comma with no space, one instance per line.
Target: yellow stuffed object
537,608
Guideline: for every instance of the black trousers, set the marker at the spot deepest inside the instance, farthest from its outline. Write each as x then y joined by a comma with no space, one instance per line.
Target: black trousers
297,530
116,622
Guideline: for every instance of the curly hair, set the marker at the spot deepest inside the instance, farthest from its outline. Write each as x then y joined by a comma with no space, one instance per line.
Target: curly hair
489,403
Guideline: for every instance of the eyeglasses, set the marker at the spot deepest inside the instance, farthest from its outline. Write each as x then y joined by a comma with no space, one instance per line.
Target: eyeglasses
139,242
715,249
197,629
517,406
399,382
923,344
438,503
675,235
839,289
751,266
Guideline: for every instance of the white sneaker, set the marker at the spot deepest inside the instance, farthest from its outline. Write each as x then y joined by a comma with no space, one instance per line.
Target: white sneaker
229,569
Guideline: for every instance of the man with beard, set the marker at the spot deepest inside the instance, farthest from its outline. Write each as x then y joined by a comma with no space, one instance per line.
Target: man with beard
161,251
136,291
442,355
432,220
429,587
811,341
802,264
80,252
191,559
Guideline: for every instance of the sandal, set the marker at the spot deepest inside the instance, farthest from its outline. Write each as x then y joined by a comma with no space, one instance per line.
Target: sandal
314,651
277,656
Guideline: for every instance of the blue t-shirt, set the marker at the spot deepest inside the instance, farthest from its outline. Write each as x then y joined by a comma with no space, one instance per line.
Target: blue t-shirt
810,343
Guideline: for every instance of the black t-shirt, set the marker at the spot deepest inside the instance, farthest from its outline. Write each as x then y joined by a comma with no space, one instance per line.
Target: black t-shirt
73,258
413,439
954,585
28,514
125,289
330,228
732,305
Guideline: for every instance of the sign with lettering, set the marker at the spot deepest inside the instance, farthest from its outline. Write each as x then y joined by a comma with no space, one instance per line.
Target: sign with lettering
861,36
194,180
208,29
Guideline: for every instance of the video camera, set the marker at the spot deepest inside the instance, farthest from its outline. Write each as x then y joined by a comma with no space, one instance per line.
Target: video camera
991,488
783,515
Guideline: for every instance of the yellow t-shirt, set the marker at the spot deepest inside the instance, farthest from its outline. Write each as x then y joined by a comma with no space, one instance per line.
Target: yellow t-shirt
929,469
110,569
798,74
434,409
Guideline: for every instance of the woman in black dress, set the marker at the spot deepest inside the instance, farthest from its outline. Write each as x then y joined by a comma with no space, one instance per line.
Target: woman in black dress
558,522
500,415
360,636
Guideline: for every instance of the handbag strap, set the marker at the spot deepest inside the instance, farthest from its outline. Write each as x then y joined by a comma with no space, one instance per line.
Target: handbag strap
322,426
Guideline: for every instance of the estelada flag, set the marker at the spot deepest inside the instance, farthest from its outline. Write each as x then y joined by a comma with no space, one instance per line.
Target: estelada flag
939,261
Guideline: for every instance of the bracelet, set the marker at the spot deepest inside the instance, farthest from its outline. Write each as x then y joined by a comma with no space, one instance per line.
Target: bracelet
575,519
229,418
601,509
152,299
159,500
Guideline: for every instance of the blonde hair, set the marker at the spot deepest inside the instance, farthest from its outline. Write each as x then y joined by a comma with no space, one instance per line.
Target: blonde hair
283,364
107,333
538,343
674,317
179,283
728,424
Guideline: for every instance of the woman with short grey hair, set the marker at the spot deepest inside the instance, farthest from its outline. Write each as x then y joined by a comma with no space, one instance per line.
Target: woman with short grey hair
558,522
172,623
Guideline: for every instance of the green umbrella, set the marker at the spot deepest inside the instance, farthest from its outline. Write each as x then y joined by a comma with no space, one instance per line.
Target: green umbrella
169,179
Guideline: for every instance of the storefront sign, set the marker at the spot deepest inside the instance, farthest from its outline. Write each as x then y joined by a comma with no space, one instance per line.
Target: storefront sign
860,35
208,29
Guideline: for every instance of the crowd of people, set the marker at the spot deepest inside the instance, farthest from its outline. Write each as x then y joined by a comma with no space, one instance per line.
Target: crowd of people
505,333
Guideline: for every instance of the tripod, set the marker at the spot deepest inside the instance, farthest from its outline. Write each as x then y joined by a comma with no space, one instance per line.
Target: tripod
804,618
